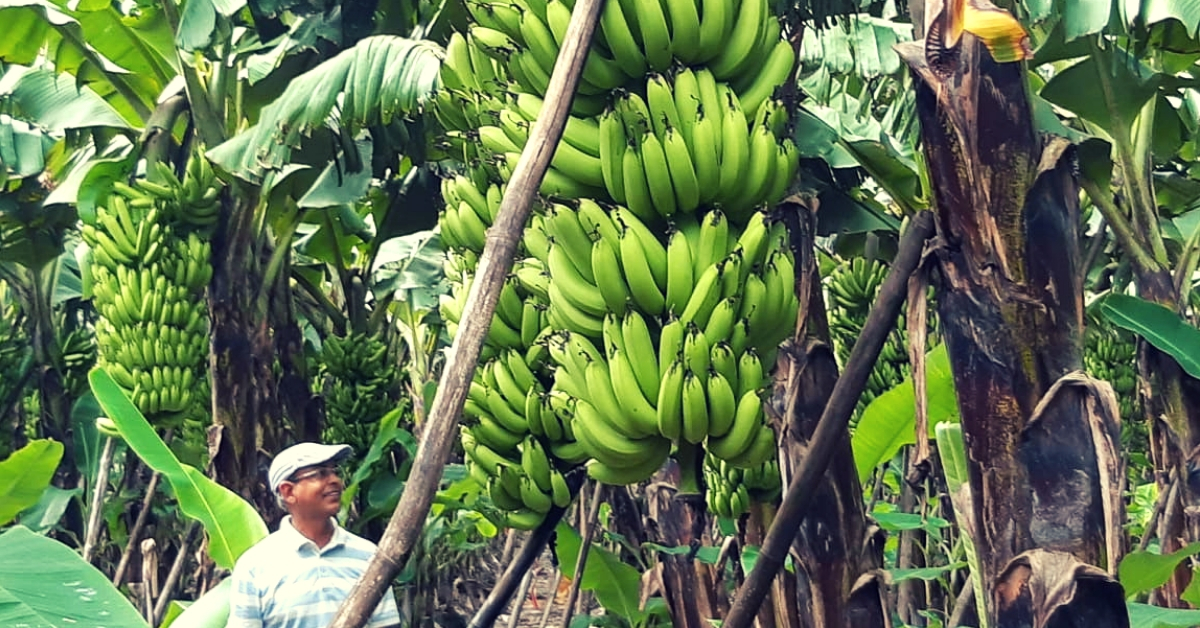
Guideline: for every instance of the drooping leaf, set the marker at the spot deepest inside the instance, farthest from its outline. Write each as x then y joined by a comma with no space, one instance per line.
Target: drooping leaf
860,43
232,524
925,573
1142,571
22,147
44,515
138,43
897,521
56,103
1085,17
25,474
889,421
210,611
44,584
1159,326
615,583
409,268
378,79
196,25
336,186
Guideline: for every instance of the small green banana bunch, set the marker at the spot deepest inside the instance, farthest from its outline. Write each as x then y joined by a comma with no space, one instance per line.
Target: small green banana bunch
507,402
525,487
634,395
148,271
852,288
361,384
1110,354
521,312
468,214
692,143
735,286
729,490
738,43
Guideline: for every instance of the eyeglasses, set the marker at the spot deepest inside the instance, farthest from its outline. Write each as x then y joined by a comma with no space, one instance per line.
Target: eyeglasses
319,473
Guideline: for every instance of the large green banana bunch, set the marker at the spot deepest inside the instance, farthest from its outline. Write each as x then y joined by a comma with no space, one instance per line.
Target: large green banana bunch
729,489
1110,354
668,338
517,434
674,111
362,381
852,288
667,309
150,266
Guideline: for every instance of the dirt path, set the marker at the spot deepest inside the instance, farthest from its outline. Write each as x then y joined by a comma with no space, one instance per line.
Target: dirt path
542,591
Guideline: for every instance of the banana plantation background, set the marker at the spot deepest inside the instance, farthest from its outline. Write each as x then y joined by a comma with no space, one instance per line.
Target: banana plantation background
828,312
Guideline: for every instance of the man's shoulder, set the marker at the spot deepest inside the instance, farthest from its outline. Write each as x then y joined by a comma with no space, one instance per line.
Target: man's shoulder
355,541
266,550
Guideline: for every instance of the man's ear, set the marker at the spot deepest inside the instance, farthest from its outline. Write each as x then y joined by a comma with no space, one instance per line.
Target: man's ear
286,492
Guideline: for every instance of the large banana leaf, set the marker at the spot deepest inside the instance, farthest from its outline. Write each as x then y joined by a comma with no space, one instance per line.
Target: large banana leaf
79,42
25,475
44,584
860,45
232,524
377,80
57,103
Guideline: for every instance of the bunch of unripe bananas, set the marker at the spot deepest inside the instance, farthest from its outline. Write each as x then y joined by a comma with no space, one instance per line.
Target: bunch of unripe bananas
150,266
651,296
729,490
852,288
1110,354
361,383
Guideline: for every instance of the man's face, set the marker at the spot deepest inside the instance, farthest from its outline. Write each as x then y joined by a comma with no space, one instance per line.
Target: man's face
314,491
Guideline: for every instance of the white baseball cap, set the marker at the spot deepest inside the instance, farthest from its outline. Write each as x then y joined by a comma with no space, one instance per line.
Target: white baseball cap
299,456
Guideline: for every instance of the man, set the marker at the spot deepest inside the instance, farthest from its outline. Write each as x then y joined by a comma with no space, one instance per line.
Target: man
299,576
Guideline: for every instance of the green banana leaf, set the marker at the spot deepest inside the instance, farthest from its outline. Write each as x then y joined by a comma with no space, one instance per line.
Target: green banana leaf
232,524
1146,616
1140,572
889,421
380,78
45,584
1159,326
25,475
210,611
615,583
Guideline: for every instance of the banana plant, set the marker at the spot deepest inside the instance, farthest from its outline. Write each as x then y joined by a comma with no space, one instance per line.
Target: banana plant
1137,102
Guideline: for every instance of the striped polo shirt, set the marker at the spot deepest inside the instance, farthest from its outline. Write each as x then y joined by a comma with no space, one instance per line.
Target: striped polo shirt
285,581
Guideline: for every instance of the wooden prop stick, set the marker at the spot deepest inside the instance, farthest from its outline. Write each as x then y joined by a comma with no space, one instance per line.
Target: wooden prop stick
407,521
832,424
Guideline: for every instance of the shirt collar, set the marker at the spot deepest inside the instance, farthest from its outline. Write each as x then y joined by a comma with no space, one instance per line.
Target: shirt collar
295,540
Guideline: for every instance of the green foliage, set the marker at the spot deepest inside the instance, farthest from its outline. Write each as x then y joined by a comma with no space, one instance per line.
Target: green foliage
615,583
1146,616
57,103
887,424
210,611
45,583
25,475
1159,326
1140,572
232,524
380,79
